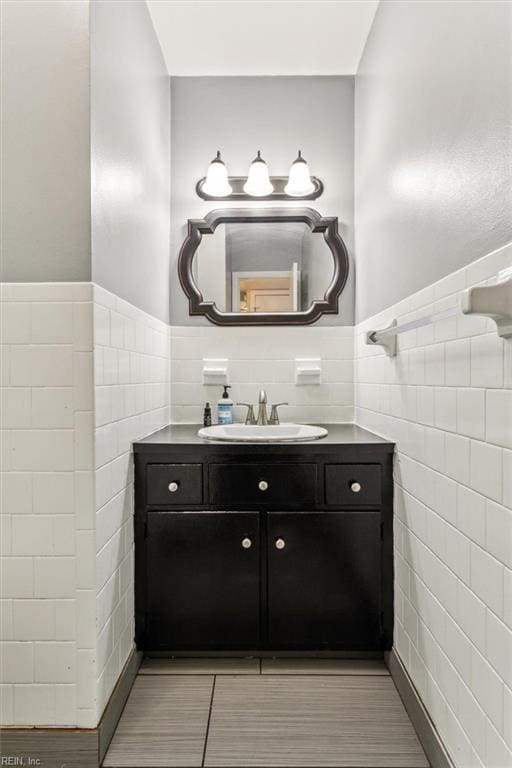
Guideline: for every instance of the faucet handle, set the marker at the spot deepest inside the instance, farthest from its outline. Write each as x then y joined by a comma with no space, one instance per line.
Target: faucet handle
250,413
274,415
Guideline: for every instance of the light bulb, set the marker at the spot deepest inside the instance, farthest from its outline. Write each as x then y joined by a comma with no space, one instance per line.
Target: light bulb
217,183
299,180
258,182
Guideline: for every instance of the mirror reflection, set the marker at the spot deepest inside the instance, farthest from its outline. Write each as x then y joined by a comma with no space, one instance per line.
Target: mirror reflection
263,267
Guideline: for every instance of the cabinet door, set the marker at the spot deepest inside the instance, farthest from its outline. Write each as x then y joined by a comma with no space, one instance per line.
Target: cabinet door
202,581
324,580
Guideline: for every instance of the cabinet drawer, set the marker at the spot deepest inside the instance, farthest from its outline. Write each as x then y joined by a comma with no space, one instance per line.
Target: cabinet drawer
172,484
247,485
353,484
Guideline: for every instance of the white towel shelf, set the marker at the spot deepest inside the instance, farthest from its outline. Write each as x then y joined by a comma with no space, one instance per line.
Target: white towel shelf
494,301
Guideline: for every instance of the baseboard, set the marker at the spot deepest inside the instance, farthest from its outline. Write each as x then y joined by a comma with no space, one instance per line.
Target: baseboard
72,747
116,703
49,747
423,725
259,654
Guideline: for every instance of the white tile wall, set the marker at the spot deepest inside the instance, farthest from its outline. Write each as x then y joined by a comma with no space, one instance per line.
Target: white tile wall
264,358
83,375
46,405
446,400
132,391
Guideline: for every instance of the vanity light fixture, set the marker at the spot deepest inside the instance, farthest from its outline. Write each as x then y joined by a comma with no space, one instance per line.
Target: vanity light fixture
259,185
299,179
258,181
217,182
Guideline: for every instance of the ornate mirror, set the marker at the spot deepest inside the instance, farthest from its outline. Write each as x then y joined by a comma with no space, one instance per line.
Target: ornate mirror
283,266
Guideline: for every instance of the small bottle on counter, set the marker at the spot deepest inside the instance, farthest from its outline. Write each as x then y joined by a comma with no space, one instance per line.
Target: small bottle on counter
207,416
225,407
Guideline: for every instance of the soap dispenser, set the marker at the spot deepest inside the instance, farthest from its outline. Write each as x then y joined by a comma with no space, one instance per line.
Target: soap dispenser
225,407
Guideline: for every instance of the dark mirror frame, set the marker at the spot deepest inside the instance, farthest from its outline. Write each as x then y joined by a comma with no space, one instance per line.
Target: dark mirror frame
207,226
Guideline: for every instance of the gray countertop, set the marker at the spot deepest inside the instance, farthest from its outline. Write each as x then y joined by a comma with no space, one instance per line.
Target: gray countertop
186,435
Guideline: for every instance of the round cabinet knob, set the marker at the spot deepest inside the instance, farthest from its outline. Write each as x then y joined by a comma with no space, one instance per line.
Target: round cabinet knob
173,487
355,487
280,543
263,485
246,542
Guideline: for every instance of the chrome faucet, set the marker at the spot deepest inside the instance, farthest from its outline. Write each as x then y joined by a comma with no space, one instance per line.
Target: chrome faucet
262,418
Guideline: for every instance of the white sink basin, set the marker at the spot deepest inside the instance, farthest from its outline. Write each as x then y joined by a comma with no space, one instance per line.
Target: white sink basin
248,433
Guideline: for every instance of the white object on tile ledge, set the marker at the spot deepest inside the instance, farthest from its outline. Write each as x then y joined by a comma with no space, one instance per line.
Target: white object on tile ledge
308,371
494,301
215,371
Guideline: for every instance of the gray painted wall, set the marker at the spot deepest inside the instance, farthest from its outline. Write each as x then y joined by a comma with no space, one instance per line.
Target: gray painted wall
45,141
433,140
278,115
130,133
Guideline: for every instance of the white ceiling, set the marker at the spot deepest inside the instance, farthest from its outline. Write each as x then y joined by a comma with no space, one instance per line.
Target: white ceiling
262,37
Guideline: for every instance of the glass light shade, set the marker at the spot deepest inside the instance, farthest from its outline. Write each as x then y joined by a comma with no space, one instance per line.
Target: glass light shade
217,183
299,180
258,182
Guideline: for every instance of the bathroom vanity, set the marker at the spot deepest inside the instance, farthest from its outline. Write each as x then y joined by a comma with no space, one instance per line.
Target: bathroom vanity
248,547
266,548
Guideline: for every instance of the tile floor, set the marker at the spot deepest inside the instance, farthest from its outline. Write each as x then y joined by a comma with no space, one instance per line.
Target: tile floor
275,712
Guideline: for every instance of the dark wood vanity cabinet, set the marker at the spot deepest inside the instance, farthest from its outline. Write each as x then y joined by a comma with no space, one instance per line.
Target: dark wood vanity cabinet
275,548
